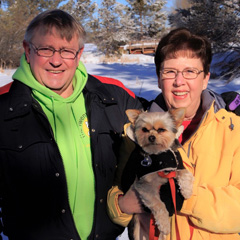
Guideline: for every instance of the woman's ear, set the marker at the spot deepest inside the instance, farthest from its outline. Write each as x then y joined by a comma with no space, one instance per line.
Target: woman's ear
205,81
159,83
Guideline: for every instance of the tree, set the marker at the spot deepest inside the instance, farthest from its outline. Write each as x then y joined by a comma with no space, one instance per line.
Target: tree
220,22
127,29
110,28
156,19
149,19
82,10
183,4
14,19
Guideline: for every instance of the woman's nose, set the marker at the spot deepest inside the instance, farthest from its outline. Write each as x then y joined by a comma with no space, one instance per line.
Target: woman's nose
179,80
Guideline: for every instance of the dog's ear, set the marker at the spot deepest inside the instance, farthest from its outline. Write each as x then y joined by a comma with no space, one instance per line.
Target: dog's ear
178,115
132,115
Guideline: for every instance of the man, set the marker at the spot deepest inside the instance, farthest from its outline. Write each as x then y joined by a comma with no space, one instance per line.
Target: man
60,130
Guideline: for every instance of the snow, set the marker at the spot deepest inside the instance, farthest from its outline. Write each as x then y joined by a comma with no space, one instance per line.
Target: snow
136,72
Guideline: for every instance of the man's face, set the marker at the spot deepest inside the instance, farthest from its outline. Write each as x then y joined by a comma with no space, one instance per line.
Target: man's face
53,72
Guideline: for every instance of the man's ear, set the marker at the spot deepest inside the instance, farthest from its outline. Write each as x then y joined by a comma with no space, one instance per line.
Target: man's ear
80,53
26,49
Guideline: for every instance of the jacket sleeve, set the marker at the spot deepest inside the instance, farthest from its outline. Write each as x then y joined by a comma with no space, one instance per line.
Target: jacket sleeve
114,212
1,225
127,146
216,207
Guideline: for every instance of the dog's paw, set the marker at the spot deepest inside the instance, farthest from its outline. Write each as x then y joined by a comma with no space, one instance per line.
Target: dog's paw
185,181
162,221
162,236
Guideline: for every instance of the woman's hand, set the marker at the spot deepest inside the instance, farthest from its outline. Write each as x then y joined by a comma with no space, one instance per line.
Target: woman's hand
130,202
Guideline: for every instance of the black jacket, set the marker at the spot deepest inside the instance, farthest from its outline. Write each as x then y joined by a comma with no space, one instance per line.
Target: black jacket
33,188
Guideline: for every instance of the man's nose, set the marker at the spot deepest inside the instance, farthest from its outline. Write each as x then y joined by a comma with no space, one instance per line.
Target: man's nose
56,59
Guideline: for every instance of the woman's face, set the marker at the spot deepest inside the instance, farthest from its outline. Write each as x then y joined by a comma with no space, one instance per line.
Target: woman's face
181,92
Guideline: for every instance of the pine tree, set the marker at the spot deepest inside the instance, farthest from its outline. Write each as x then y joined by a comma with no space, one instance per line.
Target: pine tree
148,17
83,11
157,19
127,28
180,4
218,20
109,35
14,19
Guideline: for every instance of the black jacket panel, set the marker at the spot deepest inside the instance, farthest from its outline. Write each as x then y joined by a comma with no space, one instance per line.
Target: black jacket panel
33,188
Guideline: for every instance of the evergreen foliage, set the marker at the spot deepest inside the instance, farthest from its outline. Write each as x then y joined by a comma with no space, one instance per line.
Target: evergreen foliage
14,19
82,10
149,19
109,33
112,24
109,25
220,21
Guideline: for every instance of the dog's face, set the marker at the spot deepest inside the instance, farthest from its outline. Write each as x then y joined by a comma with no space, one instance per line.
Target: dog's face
155,132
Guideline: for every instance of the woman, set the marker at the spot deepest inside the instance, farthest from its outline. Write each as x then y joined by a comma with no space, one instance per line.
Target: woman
210,141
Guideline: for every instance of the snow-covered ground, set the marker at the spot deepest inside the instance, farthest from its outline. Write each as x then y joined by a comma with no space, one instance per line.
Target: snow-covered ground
137,72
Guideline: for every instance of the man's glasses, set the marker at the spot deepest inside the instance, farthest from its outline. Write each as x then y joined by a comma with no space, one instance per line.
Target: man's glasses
49,51
187,73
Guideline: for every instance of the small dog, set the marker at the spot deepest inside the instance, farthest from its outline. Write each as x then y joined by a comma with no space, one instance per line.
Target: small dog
157,133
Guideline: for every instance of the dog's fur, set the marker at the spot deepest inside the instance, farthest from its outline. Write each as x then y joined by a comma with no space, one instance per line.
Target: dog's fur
155,133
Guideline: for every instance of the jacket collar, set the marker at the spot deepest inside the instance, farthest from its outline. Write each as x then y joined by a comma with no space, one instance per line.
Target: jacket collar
208,98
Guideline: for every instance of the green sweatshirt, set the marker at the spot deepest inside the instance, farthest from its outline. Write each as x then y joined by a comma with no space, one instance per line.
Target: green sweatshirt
69,123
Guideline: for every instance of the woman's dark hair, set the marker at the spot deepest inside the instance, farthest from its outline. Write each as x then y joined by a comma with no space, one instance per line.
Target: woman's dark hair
182,39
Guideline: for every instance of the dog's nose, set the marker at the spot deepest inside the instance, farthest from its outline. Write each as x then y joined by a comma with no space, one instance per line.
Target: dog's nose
151,138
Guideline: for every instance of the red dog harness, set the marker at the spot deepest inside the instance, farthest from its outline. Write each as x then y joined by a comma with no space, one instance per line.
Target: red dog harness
153,230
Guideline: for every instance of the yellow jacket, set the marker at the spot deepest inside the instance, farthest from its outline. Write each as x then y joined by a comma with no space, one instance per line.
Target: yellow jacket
214,159
212,154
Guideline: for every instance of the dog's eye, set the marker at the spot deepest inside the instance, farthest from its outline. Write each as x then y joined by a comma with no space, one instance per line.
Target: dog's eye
160,130
145,129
